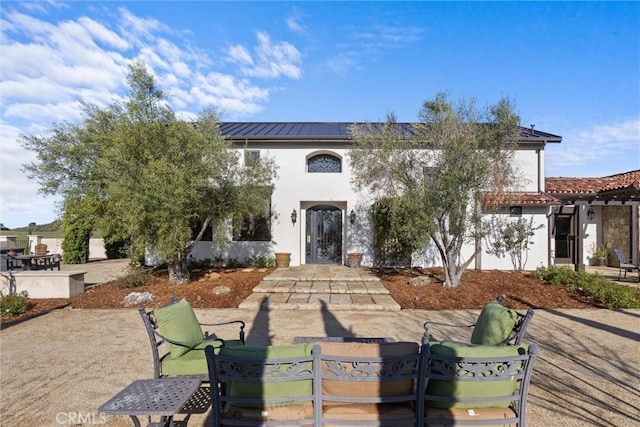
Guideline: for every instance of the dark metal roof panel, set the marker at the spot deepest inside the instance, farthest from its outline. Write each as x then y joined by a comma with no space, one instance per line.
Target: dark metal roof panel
334,131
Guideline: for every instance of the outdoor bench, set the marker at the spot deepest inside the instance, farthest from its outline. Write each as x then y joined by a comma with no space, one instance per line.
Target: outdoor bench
372,384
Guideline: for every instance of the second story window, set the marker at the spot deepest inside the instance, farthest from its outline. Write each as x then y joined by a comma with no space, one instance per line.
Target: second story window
251,155
324,163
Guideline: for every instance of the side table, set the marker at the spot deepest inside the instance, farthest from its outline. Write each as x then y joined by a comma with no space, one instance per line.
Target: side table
162,397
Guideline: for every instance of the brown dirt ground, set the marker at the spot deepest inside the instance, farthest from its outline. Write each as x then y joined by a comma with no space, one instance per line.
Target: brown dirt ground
476,289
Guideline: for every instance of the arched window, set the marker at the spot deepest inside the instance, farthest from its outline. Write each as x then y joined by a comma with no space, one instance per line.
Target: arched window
324,163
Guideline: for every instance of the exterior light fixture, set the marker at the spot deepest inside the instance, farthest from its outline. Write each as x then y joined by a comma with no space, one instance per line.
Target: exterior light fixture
352,217
591,213
294,217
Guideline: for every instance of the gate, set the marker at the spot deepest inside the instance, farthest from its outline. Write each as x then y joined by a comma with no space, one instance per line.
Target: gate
324,235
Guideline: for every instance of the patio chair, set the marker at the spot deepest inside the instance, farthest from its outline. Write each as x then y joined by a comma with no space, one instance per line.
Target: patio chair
262,386
466,384
178,341
496,325
625,265
40,249
373,384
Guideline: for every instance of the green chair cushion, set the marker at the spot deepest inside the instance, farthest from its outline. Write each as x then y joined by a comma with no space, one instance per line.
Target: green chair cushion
193,362
494,325
471,389
178,322
294,388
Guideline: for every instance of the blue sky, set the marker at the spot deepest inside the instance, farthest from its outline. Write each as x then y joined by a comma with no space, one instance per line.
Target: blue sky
571,68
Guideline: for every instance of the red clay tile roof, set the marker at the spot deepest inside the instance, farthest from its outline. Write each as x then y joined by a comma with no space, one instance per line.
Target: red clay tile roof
527,199
622,181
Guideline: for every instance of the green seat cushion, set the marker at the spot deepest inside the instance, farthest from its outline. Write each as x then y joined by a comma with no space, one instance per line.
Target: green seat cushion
270,390
494,325
178,322
472,389
193,362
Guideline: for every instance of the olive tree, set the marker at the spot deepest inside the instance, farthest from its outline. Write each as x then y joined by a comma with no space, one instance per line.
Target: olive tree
511,237
136,167
440,167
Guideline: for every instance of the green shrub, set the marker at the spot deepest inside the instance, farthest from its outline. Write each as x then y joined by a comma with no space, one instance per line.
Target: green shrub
234,263
199,263
261,262
601,289
117,249
13,305
75,244
135,276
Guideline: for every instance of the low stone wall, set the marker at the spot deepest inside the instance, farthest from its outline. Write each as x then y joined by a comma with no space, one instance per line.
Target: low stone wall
44,284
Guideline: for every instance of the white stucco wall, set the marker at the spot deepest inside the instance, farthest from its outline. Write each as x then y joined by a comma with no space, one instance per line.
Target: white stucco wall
526,163
298,189
536,256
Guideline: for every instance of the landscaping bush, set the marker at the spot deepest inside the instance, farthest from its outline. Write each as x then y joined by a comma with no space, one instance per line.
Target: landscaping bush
13,305
136,276
117,249
75,244
261,262
601,289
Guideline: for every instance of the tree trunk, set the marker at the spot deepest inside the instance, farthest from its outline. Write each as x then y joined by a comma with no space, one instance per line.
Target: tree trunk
451,275
179,271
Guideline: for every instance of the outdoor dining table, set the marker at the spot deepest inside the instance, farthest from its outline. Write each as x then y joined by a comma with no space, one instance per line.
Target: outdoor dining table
27,259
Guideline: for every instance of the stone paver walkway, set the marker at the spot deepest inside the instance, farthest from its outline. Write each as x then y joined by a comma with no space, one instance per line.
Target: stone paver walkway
325,287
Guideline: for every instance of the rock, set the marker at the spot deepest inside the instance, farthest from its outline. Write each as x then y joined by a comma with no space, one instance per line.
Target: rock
137,298
219,290
213,276
420,281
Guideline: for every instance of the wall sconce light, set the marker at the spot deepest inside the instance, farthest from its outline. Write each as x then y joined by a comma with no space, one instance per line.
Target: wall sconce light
352,217
591,213
294,217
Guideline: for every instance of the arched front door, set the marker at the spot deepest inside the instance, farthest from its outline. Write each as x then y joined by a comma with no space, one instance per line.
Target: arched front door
324,235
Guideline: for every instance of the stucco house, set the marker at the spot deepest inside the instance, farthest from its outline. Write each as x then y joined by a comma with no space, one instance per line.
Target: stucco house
315,214
601,211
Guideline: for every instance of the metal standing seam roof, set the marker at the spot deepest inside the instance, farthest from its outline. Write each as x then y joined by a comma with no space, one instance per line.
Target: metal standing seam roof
330,131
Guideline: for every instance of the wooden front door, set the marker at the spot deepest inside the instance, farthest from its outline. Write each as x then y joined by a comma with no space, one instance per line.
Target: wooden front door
324,235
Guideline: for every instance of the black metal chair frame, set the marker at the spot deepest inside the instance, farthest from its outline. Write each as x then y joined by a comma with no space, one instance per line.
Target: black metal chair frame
420,368
157,340
514,338
480,369
375,371
224,370
625,265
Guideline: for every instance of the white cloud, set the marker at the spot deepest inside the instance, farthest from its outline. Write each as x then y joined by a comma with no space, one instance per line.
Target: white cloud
343,63
270,59
582,151
371,41
104,34
48,66
140,27
240,54
293,23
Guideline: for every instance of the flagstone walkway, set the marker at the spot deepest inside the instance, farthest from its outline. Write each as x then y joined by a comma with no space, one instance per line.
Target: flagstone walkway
324,287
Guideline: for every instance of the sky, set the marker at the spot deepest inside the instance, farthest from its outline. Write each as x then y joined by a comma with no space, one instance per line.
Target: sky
571,69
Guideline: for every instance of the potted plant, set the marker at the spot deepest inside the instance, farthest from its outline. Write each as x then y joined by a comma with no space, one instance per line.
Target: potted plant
599,255
355,258
283,259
